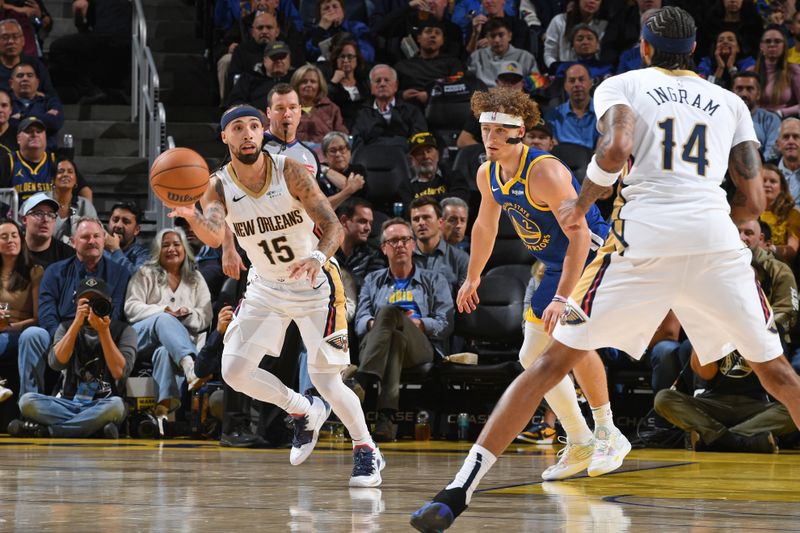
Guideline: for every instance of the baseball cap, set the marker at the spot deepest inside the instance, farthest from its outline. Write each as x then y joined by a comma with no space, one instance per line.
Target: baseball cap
510,68
36,199
544,127
93,285
423,138
28,122
276,48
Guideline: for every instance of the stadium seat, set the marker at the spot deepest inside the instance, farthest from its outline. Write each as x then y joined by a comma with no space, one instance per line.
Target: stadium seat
518,272
468,160
575,156
387,169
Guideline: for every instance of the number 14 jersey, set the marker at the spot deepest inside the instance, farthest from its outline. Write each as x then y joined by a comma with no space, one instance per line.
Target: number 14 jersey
672,203
271,225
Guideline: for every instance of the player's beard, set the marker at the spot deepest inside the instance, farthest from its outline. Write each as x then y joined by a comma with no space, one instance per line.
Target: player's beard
248,159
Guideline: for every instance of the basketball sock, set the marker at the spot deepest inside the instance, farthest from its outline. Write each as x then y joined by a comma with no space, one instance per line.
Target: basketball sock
344,403
603,416
475,466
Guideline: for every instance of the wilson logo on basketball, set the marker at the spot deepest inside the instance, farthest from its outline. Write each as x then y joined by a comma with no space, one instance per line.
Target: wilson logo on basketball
181,197
339,341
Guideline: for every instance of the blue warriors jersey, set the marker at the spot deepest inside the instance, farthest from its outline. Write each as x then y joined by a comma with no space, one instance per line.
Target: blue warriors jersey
535,224
28,178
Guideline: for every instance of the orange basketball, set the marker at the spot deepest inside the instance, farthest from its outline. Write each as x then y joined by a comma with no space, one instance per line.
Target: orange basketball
179,176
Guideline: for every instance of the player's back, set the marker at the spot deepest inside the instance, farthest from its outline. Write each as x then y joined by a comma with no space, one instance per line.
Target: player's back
272,226
672,202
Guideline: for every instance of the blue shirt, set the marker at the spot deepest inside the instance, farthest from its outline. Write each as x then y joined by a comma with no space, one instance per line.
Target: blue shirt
767,125
569,128
132,258
630,59
226,12
461,11
57,301
445,259
536,225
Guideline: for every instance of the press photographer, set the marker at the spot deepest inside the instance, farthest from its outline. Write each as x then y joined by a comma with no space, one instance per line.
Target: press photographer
98,354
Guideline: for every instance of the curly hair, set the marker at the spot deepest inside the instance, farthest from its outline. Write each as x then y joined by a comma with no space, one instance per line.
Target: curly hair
672,23
506,100
784,203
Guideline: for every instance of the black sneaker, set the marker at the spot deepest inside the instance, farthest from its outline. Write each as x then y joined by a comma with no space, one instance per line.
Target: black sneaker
385,430
440,513
27,428
241,438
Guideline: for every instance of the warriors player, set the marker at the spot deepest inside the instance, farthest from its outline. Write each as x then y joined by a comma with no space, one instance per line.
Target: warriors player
673,244
272,204
529,185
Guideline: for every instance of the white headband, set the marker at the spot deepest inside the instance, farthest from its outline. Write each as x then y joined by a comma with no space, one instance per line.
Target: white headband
494,117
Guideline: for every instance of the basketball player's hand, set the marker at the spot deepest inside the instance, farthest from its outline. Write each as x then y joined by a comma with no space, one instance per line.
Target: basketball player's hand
183,211
467,299
551,316
569,214
232,264
305,268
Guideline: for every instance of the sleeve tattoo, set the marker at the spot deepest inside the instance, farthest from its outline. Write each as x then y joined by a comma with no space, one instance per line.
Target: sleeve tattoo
305,188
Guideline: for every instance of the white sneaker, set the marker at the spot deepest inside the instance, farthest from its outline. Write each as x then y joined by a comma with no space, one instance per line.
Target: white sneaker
367,465
573,458
306,429
5,393
610,449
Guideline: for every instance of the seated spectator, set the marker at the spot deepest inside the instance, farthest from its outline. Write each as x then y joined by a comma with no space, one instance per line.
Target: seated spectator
455,213
788,148
347,178
120,245
8,135
57,299
96,355
485,62
39,214
319,115
766,123
586,45
493,9
28,101
624,27
94,65
432,252
540,137
348,81
404,315
12,42
71,206
432,177
733,413
780,81
725,61
388,120
208,259
331,17
249,53
253,87
356,254
574,121
25,14
19,292
31,168
557,46
781,214
169,306
465,10
406,18
418,73
228,12
735,16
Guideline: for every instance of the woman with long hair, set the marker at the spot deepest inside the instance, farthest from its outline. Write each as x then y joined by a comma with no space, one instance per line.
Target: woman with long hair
557,45
169,306
71,207
781,215
725,60
348,81
319,114
19,292
780,80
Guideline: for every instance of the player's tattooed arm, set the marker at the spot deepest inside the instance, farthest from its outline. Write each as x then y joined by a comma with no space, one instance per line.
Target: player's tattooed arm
744,165
209,225
304,187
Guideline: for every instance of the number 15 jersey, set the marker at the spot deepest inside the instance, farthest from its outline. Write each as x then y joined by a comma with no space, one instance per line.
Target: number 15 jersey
672,203
271,225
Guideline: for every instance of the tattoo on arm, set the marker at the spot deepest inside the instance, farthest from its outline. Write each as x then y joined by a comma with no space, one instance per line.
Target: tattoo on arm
744,162
303,186
617,125
590,193
213,217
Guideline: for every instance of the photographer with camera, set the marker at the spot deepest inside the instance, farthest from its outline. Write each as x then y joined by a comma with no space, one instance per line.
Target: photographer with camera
97,354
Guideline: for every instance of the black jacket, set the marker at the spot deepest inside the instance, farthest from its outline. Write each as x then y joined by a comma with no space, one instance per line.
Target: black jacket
371,128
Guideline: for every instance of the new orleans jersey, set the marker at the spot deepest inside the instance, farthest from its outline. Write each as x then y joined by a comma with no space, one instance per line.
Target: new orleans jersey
672,203
271,225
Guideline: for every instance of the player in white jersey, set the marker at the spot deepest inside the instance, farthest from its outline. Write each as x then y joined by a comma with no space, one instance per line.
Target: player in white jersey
273,205
673,244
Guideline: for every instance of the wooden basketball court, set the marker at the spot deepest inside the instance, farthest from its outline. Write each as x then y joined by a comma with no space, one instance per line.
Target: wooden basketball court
179,485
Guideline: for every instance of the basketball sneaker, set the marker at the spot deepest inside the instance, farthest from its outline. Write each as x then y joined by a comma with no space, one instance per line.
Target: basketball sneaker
540,433
440,513
572,458
367,465
306,429
610,449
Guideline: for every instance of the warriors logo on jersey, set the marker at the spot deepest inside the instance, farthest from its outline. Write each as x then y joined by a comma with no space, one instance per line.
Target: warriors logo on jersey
527,229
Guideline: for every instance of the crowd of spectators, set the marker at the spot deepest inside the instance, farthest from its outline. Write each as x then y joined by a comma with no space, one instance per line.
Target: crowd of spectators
335,84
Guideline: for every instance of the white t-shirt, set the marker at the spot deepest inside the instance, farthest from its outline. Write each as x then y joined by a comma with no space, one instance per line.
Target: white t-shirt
685,129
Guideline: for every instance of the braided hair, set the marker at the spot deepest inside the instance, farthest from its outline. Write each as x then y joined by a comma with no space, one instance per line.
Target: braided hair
672,23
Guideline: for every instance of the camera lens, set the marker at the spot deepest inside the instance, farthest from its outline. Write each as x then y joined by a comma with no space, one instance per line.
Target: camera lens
101,307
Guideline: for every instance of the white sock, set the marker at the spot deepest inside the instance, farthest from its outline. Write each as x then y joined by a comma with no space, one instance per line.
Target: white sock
187,364
475,466
603,417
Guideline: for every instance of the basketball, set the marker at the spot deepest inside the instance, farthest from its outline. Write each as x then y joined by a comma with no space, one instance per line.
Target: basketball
179,177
